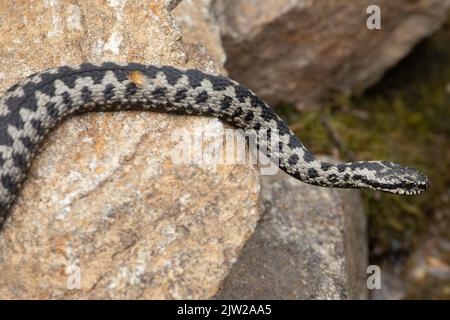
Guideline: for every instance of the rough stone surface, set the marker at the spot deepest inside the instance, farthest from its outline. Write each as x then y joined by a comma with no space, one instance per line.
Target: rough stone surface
105,213
310,244
199,26
300,51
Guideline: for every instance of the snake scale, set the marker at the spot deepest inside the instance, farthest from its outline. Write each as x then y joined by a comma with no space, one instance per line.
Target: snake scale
34,106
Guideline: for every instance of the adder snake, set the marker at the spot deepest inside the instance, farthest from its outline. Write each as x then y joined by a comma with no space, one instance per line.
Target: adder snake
31,108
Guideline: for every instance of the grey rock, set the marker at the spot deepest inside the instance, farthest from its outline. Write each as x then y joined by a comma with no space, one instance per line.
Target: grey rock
310,244
300,51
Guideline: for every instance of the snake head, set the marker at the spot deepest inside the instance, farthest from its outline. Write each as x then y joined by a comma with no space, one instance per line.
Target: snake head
397,179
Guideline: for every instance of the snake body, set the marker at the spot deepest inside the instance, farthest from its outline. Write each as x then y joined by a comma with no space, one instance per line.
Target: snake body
34,106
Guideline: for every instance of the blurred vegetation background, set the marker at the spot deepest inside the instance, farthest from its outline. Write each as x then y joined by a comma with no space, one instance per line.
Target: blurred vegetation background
404,118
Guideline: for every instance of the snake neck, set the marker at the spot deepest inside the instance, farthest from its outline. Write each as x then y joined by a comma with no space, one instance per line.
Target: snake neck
326,174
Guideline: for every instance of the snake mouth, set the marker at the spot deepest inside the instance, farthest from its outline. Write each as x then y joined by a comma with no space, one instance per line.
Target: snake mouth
411,189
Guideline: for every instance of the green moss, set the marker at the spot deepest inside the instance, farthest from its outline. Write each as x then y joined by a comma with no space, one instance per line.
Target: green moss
406,120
